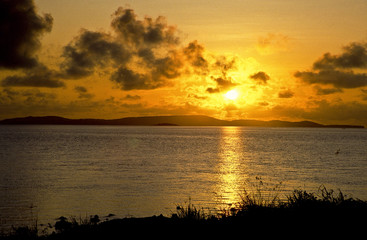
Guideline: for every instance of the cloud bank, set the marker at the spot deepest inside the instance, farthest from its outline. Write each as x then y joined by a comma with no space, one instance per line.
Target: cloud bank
138,54
339,70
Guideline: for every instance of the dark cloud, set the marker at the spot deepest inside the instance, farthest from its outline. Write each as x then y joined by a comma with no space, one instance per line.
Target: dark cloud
129,80
40,76
154,43
20,30
338,70
327,91
263,104
222,85
155,77
339,79
212,90
80,89
147,32
132,97
83,92
14,101
260,77
154,73
194,54
33,80
8,95
90,50
35,96
142,54
224,64
137,54
286,94
168,67
353,56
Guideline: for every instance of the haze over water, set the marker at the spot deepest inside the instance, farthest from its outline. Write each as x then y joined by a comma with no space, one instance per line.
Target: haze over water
50,171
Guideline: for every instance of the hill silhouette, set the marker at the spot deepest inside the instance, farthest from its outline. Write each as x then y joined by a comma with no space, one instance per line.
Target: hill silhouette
184,120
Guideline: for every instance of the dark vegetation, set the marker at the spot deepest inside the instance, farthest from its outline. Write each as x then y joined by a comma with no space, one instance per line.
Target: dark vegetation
325,213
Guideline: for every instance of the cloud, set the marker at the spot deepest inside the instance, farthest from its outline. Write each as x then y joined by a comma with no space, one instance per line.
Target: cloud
326,91
140,54
137,54
222,85
260,77
83,92
35,96
353,56
129,80
339,79
10,98
286,94
39,76
80,89
132,97
155,73
194,54
212,90
155,46
219,71
223,64
147,32
338,70
263,104
8,95
90,50
20,30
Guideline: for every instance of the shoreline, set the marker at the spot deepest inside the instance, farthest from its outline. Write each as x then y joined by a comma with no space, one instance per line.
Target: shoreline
301,209
185,120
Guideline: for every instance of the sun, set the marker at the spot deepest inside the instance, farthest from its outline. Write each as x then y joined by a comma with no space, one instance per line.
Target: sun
232,94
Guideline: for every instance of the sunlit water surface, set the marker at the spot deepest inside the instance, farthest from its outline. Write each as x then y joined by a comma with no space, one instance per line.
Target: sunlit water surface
52,171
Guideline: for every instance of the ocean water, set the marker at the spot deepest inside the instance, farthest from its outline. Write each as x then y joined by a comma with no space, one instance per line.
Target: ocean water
52,171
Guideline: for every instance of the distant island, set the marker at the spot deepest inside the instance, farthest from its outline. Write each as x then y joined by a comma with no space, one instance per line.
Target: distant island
184,120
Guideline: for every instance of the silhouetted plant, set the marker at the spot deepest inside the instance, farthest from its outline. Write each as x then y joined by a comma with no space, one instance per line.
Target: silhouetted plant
190,212
301,198
257,195
63,224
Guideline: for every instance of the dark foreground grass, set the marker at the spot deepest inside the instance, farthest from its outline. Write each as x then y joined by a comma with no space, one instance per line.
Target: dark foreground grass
327,213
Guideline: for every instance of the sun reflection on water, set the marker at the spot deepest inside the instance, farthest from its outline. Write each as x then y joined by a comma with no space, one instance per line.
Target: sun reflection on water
230,169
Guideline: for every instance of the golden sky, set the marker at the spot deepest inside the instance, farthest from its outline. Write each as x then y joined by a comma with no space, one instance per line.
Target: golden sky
235,59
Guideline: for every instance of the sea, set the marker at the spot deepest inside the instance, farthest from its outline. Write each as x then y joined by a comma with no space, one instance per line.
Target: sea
48,171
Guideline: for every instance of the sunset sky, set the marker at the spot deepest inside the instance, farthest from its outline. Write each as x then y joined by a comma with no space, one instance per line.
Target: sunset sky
280,59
